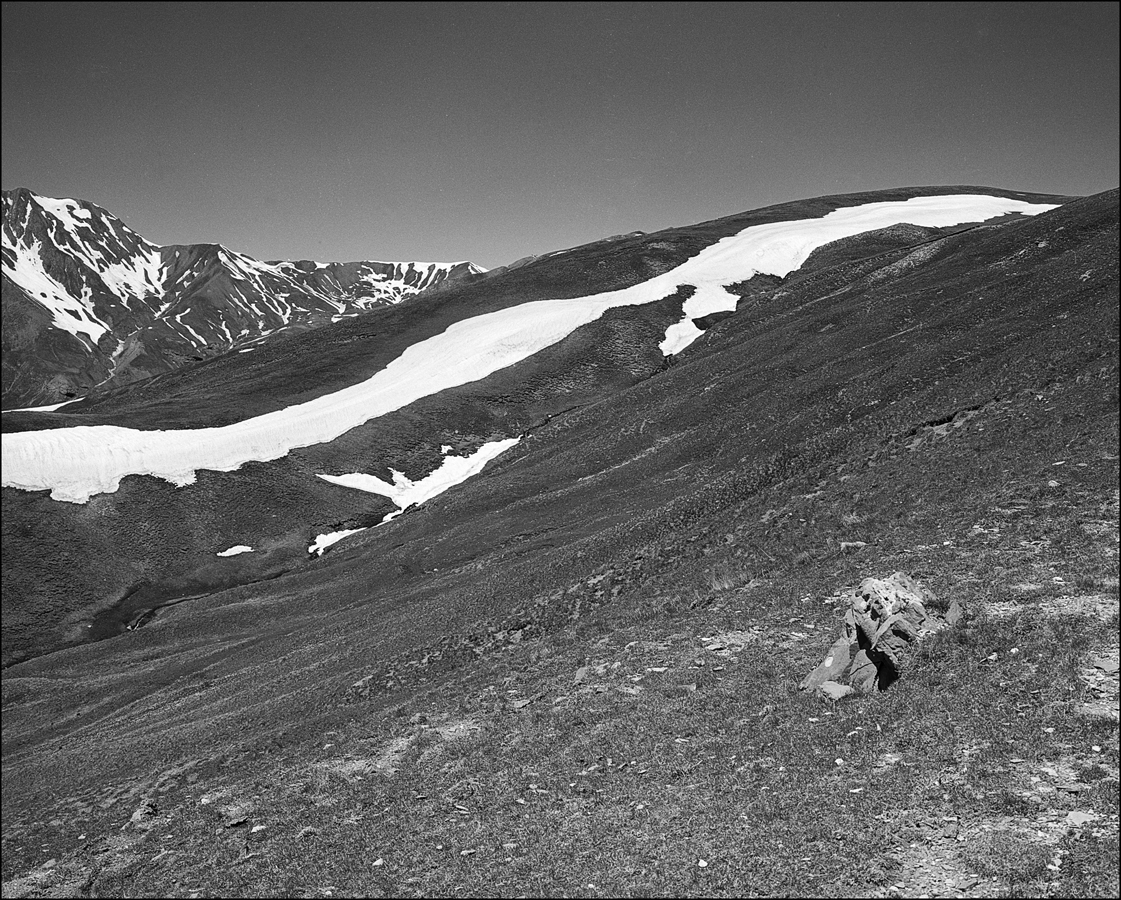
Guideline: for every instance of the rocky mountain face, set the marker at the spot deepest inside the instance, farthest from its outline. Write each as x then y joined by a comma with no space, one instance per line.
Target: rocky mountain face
88,304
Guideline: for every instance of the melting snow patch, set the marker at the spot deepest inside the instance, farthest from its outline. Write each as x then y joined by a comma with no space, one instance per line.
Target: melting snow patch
76,463
779,248
405,492
134,270
235,550
323,541
49,408
68,312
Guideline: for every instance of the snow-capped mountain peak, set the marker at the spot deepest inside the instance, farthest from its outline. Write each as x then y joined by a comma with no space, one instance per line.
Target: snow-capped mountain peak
88,302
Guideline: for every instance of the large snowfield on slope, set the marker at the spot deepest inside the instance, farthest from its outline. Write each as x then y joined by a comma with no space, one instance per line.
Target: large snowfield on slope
76,463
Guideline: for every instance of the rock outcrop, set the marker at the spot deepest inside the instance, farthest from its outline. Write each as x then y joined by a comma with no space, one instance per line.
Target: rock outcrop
885,619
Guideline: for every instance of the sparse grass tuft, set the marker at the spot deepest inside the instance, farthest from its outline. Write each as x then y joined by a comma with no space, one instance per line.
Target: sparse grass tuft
727,576
1011,856
1091,866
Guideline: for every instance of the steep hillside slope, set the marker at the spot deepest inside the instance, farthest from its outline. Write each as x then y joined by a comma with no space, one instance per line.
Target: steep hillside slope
278,505
936,398
90,304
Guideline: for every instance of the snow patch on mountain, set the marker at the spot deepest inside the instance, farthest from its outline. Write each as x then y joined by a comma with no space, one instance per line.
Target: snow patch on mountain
405,493
235,550
76,463
131,269
779,248
24,265
323,541
50,407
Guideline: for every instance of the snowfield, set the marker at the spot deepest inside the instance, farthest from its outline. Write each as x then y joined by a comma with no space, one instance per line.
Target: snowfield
781,247
323,541
405,492
76,463
236,550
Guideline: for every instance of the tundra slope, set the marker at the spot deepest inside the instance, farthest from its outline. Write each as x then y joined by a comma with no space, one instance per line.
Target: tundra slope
89,304
826,397
281,508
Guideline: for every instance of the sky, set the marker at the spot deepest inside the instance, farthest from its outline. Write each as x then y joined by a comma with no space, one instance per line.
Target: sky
493,131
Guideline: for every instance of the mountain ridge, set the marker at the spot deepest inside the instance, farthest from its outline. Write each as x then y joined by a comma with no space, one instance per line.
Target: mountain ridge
90,304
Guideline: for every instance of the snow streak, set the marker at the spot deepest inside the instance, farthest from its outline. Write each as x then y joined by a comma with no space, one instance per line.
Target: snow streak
405,492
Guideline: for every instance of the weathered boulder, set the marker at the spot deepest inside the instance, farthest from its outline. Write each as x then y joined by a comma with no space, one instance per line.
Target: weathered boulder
885,618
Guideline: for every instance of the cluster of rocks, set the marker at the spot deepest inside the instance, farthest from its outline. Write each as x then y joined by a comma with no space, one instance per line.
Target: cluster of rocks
885,618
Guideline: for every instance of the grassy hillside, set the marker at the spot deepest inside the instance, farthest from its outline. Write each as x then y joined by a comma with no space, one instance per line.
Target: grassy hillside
577,674
149,542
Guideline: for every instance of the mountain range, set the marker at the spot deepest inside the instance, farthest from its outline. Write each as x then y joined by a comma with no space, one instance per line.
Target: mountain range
88,304
508,589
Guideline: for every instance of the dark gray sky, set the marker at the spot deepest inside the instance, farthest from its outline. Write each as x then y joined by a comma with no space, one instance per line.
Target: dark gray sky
450,131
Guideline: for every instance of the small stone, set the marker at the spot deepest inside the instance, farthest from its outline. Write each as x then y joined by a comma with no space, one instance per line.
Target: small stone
1078,818
701,864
